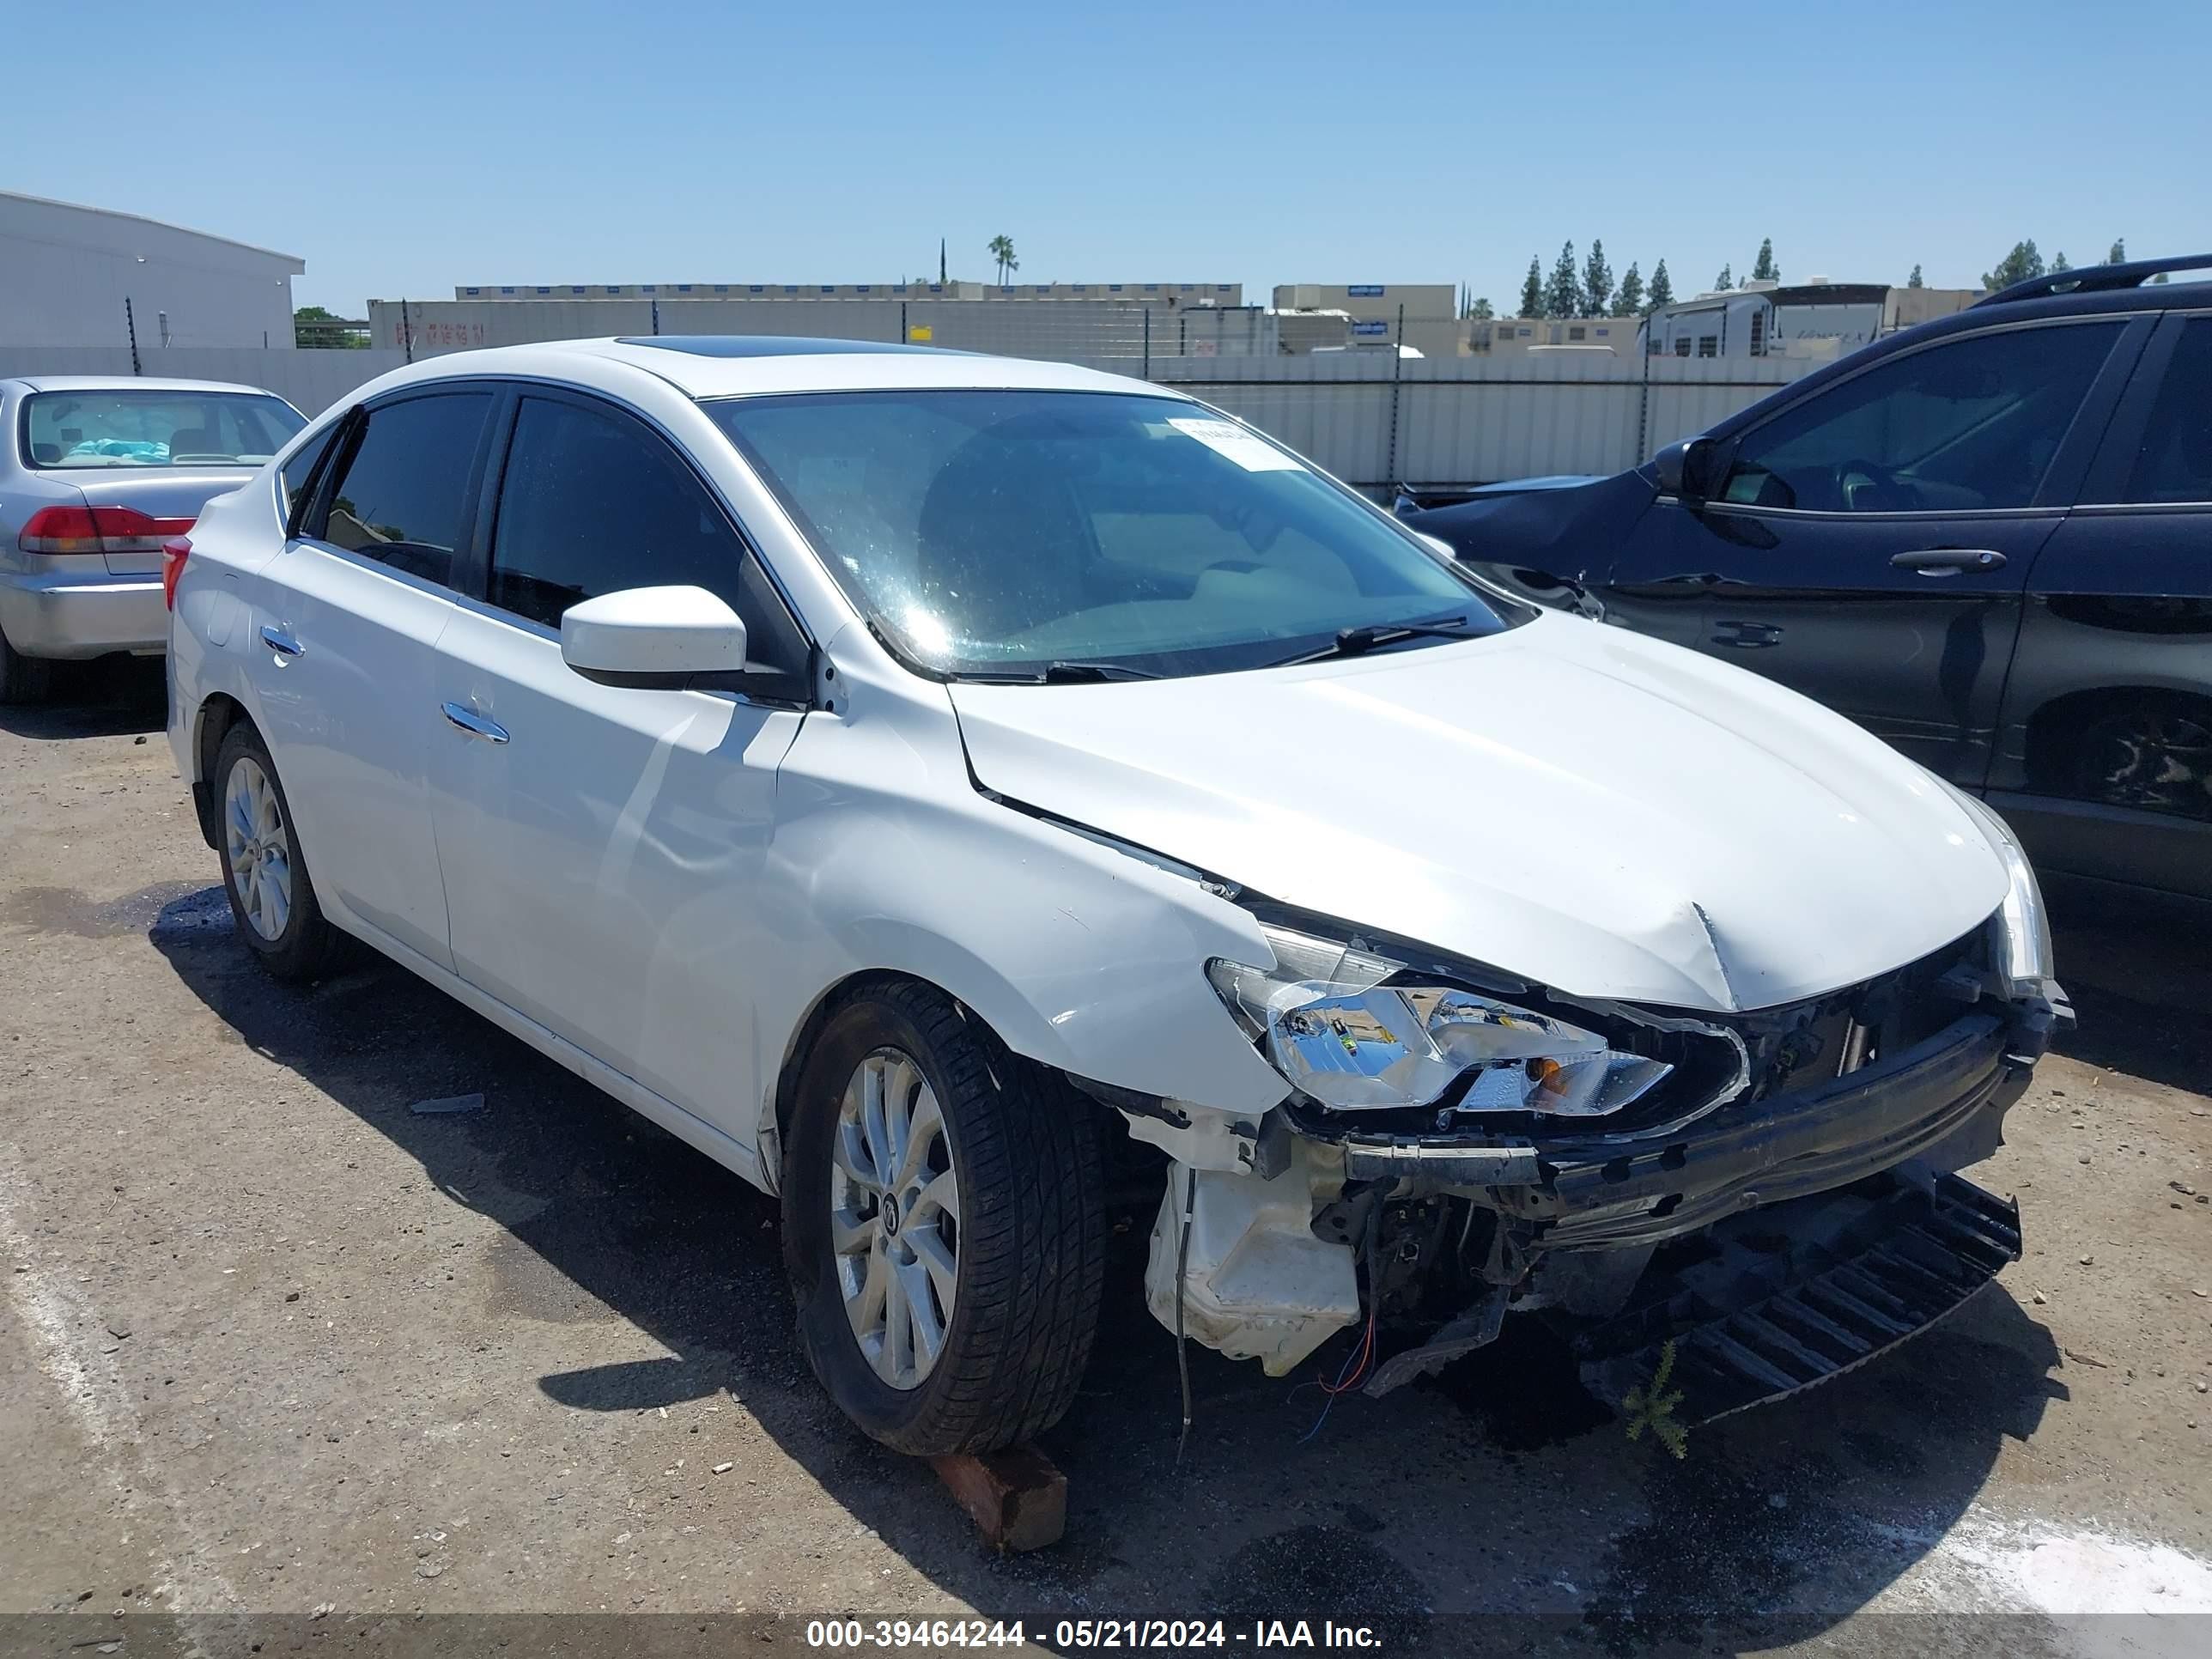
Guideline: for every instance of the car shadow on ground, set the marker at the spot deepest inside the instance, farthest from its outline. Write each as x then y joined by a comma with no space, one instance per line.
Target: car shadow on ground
2139,970
1496,1507
112,697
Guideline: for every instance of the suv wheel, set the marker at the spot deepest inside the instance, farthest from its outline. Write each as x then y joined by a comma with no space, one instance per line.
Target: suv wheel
943,1224
2155,756
272,898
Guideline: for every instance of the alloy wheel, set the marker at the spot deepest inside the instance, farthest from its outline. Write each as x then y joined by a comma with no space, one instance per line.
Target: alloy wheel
258,847
895,1217
2159,760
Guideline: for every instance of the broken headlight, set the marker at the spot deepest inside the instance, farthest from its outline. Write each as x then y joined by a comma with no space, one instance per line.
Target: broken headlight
2025,958
1327,1022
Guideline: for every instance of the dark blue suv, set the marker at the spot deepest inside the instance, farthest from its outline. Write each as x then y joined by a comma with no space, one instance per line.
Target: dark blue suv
1988,539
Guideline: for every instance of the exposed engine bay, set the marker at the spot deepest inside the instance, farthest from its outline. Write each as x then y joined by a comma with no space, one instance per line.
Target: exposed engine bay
1758,1200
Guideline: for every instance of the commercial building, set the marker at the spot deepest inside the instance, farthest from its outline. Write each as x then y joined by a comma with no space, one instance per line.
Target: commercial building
1422,315
1171,294
1120,328
1501,335
74,276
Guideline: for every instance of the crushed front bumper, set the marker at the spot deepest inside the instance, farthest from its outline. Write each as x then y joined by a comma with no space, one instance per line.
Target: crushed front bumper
1941,1100
1781,1301
1772,1241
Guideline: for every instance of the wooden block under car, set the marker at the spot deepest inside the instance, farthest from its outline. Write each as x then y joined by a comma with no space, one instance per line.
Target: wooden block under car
1017,1499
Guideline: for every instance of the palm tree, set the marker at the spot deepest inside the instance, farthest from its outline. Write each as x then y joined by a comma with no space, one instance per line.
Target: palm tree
1001,249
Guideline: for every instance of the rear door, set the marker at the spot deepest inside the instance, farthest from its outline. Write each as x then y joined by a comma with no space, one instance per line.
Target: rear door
1868,543
344,622
2106,764
604,847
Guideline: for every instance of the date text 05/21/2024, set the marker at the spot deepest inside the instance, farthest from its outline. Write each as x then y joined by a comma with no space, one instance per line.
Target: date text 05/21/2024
929,1635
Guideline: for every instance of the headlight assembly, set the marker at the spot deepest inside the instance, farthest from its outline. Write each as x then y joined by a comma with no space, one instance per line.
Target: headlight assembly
1326,1020
2025,959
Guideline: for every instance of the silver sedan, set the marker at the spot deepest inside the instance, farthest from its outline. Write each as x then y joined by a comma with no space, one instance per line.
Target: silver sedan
95,474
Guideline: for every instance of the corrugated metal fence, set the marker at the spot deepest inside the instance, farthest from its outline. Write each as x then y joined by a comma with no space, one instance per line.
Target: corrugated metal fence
1475,420
1372,419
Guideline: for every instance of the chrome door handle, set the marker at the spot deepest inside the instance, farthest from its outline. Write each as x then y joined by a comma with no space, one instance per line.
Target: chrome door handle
474,724
280,641
1739,635
1948,560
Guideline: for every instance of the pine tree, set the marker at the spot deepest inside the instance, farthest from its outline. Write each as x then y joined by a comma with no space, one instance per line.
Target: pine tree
1725,281
1532,289
2119,255
1629,299
1662,290
1597,279
1766,270
2019,265
1914,280
1563,295
2059,261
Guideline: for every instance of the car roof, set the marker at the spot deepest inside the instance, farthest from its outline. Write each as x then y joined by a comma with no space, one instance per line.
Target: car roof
2025,302
730,366
130,383
2121,277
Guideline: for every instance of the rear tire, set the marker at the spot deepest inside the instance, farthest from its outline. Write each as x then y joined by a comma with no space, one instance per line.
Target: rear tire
1004,1188
23,679
264,871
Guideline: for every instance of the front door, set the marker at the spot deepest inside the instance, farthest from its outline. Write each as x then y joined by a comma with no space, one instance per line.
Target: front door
1868,545
341,649
606,847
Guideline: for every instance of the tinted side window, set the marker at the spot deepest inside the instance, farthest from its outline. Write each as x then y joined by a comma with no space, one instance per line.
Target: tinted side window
299,472
1970,423
2175,461
403,495
593,503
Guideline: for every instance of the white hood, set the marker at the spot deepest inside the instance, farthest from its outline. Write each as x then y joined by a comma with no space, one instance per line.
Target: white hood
1579,806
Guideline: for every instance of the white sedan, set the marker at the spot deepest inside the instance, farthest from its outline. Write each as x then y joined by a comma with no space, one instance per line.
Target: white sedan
921,781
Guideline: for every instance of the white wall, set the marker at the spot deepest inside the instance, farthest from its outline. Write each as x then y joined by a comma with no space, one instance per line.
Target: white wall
65,272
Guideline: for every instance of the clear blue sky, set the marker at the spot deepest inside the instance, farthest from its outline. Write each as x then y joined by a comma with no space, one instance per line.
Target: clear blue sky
400,148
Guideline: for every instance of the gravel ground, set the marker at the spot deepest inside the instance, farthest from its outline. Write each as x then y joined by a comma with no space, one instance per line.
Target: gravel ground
284,1363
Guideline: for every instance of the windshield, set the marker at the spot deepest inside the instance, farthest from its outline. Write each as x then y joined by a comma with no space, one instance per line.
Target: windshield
991,532
65,430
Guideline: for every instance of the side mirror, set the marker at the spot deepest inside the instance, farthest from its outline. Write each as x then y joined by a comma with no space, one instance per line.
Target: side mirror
653,637
1438,545
1684,469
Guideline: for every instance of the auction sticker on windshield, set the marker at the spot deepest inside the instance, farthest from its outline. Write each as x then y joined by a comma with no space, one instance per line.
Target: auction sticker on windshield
1226,438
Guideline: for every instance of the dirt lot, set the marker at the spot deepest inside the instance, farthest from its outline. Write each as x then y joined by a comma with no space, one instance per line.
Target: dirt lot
274,1344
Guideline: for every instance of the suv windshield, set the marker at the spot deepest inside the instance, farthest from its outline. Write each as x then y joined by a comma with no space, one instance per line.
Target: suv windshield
1018,534
129,427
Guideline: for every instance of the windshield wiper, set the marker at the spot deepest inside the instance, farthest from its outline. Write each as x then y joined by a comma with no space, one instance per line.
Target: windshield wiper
1351,642
1062,673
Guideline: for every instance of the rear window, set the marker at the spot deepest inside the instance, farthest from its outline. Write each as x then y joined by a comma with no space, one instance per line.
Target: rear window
65,431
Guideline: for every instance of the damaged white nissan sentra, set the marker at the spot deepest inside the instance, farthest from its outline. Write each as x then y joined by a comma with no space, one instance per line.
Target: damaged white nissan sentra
942,788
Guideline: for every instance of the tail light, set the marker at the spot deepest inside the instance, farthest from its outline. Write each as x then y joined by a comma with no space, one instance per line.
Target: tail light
97,530
174,552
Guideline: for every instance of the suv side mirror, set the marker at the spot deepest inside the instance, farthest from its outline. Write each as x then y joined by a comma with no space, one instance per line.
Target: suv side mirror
653,637
1684,469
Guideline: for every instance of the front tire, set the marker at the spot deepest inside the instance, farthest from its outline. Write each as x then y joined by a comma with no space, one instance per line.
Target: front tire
943,1224
272,898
